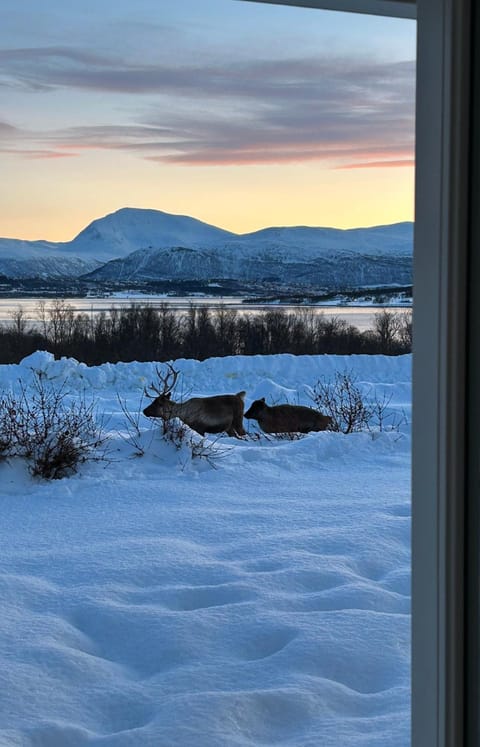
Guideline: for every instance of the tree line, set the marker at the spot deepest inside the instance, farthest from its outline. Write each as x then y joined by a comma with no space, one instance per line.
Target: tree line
147,333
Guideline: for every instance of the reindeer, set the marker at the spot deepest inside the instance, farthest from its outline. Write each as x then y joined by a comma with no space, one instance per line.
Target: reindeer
287,418
222,412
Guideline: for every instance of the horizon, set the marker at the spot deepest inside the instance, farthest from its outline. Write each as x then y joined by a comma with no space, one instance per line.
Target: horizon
216,225
245,116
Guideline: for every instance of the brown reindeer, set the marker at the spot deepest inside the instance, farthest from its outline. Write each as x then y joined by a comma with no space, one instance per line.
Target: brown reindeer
222,412
287,418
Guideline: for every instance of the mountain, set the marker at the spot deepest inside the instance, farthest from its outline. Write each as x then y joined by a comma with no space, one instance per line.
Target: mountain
134,245
28,259
115,235
335,272
129,229
393,239
326,258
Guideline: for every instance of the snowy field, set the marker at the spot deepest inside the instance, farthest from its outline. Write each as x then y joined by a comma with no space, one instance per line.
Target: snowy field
158,601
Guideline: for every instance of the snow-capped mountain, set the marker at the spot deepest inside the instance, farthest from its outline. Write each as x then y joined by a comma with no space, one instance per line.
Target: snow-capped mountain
130,229
395,239
28,259
330,272
113,236
144,245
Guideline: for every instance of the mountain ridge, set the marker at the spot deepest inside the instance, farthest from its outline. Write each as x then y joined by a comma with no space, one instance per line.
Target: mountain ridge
143,244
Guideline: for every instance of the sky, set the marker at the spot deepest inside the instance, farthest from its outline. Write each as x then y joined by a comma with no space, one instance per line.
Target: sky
240,114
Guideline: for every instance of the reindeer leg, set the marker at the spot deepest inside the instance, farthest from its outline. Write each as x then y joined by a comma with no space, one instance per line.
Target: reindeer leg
236,429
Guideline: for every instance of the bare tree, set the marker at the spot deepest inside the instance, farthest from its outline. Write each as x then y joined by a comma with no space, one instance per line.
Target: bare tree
387,326
406,329
18,323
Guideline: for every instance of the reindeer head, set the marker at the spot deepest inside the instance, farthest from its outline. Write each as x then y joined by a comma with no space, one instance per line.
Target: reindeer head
161,407
162,404
256,409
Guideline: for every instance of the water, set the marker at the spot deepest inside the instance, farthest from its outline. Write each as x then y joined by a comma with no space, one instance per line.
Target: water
361,317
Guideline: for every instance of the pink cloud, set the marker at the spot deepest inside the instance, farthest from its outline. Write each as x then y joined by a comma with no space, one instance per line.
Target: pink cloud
379,164
34,154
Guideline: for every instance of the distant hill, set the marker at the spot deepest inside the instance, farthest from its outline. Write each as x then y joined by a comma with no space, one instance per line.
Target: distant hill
133,245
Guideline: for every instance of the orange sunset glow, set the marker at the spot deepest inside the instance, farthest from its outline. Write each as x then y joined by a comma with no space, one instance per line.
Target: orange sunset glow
241,115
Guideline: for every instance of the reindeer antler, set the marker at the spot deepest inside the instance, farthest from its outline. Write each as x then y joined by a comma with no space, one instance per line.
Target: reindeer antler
166,382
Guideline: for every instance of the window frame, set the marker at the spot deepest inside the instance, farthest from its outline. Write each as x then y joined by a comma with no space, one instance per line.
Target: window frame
445,515
439,613
396,8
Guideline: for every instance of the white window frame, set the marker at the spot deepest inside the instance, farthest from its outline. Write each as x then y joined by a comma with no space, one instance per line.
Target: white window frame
445,520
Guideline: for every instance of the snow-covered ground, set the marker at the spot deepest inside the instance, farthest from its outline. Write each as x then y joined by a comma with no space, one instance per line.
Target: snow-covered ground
158,601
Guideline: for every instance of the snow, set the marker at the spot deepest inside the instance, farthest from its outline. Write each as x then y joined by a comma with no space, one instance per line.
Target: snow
159,600
309,242
19,248
128,230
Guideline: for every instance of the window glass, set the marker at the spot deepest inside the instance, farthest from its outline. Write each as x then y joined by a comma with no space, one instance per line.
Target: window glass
205,373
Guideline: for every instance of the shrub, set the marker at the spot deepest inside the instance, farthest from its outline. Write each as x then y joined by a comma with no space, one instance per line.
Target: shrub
187,441
133,434
53,436
7,426
350,409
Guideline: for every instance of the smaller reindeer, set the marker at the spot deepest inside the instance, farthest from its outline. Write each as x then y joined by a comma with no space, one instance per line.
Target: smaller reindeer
287,418
223,412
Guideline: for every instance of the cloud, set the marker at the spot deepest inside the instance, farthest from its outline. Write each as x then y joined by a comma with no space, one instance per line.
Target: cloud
31,153
343,110
8,130
41,68
51,67
15,142
379,164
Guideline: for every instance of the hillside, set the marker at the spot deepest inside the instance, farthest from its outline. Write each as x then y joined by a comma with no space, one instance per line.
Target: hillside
133,245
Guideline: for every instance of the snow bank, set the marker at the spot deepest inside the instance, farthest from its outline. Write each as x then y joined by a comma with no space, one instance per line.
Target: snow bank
216,375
